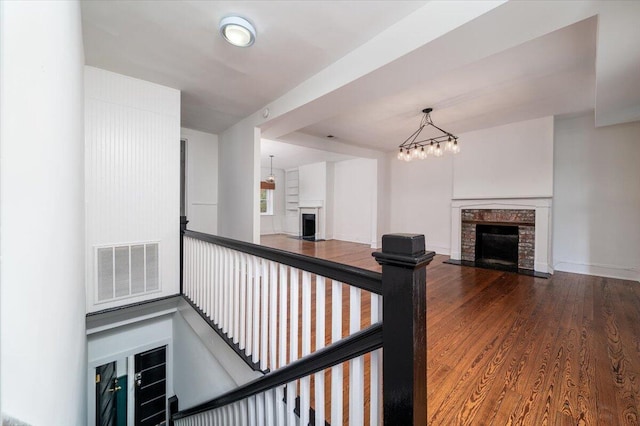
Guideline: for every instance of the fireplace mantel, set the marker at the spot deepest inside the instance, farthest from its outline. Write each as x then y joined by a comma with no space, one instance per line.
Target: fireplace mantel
542,207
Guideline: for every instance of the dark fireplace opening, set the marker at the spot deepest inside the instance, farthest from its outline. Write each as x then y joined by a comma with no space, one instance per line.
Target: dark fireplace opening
309,226
497,246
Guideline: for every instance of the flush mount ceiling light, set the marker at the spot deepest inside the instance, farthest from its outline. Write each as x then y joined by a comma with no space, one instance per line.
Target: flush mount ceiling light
414,148
237,31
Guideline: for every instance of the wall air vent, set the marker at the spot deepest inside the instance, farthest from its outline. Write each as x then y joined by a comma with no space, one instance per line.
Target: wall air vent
127,270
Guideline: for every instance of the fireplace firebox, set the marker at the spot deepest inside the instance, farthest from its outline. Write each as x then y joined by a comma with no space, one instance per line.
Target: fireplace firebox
309,226
497,246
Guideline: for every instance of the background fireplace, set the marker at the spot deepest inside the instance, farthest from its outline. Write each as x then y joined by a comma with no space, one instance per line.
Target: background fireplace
309,226
499,237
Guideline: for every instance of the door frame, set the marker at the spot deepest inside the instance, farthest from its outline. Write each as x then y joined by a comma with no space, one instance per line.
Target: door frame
128,354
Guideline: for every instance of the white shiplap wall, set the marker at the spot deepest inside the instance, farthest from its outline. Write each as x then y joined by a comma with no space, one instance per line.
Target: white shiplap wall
132,173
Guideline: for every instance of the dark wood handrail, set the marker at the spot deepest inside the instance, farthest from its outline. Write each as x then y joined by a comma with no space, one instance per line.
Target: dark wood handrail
353,346
357,277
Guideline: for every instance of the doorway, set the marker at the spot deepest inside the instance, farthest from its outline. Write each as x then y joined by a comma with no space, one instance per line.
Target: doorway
140,401
151,387
111,394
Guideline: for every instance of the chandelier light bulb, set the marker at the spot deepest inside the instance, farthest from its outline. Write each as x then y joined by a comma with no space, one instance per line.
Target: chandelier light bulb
449,145
423,153
431,149
401,154
407,155
456,147
415,154
438,152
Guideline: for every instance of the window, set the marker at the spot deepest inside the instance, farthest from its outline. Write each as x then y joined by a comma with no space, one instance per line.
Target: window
266,201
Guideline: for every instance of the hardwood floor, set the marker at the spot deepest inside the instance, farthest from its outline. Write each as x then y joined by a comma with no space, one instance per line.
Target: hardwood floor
506,349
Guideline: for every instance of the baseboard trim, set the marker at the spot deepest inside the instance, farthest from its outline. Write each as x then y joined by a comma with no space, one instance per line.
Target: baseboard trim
608,271
439,249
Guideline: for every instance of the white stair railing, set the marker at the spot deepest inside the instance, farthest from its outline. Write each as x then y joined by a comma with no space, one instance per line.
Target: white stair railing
285,397
264,307
272,306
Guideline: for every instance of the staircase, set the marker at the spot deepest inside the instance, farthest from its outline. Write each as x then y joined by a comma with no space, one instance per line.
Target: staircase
283,314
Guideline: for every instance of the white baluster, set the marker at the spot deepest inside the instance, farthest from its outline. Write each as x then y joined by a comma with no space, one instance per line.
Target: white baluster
306,345
243,302
237,297
234,300
198,273
304,400
320,343
293,334
336,371
256,313
249,308
186,266
273,315
282,350
204,280
375,397
260,409
251,411
190,270
306,313
280,408
210,278
269,413
292,418
198,292
219,420
218,285
225,292
229,417
356,365
264,316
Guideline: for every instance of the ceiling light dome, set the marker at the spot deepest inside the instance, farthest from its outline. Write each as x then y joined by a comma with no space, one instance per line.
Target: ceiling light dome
237,31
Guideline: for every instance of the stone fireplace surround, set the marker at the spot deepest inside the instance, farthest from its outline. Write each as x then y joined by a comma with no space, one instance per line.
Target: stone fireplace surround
535,235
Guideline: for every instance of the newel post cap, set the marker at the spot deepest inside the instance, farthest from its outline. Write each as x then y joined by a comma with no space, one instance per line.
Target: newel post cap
405,250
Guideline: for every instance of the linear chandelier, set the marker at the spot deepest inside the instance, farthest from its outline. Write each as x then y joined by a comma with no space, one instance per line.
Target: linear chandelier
415,148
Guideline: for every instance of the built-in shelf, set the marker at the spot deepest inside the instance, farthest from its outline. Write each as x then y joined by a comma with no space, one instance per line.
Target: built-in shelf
291,196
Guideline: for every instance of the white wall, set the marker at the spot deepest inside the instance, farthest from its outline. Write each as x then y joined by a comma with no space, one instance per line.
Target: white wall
42,213
420,200
199,376
510,161
596,207
312,182
313,195
354,197
274,224
239,183
132,151
202,180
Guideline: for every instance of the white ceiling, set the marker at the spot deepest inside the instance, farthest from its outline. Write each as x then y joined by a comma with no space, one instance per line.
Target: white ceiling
288,156
503,66
176,44
551,75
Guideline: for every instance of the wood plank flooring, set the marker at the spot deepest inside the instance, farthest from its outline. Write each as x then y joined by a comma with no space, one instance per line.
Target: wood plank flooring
508,349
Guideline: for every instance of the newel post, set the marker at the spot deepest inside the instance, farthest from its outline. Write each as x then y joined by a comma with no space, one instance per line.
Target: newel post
183,227
404,260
